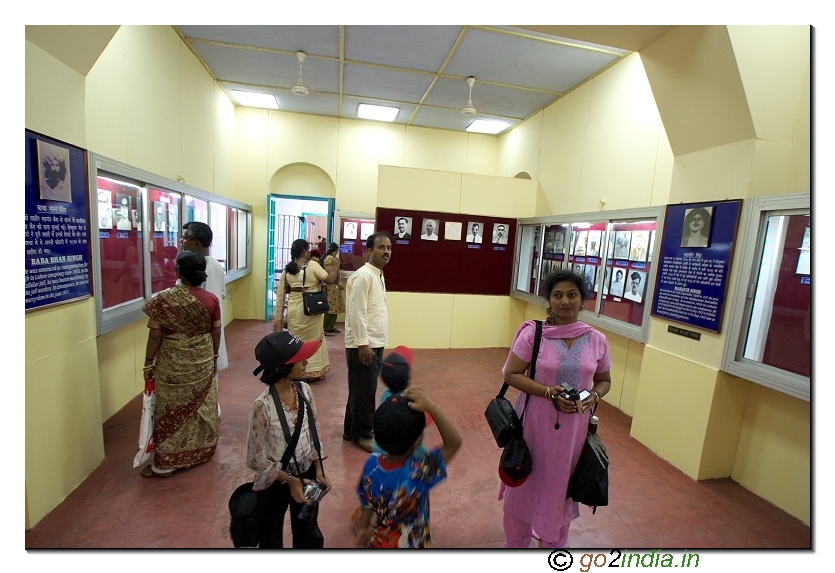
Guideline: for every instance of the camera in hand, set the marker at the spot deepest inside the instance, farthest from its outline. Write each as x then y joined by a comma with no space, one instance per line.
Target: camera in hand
313,492
571,394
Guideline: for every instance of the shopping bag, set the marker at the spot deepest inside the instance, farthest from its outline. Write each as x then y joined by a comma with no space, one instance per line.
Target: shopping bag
146,425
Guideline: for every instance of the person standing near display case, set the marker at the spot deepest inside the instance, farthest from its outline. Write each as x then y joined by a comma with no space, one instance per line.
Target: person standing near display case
197,237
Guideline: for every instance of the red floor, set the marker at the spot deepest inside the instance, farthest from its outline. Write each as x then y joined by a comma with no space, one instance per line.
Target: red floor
652,504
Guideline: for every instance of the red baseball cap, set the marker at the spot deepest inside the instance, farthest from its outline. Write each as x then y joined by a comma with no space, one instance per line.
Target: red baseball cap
280,348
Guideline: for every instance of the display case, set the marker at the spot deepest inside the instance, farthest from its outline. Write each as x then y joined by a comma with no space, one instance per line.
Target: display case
613,252
769,332
139,218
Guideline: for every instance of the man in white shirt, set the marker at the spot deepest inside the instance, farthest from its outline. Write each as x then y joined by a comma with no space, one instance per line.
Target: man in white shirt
197,237
499,236
366,335
474,235
429,235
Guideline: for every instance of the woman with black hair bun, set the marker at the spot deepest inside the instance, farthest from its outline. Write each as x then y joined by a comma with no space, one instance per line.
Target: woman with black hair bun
302,274
180,363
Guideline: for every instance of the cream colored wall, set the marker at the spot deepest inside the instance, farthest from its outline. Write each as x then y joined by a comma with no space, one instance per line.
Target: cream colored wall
151,104
457,321
432,320
353,154
589,148
63,414
602,142
147,102
764,155
774,452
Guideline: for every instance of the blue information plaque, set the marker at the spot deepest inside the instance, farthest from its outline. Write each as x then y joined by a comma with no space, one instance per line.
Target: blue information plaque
695,263
56,239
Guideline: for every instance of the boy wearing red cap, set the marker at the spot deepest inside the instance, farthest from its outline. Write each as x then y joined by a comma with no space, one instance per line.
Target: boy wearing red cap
396,373
395,485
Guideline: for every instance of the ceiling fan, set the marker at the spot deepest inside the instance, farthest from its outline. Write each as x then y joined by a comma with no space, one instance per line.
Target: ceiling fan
300,89
469,110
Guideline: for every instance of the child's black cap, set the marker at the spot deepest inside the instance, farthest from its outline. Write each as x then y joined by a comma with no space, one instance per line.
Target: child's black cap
397,426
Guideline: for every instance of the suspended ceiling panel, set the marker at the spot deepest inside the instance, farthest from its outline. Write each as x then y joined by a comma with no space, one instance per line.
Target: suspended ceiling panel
421,70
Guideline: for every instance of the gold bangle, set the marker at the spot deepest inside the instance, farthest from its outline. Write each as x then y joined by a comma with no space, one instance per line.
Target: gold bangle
548,394
148,368
596,394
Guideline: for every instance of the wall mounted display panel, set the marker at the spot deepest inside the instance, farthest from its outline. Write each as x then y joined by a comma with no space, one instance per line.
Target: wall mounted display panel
770,338
57,223
481,247
139,218
587,245
695,263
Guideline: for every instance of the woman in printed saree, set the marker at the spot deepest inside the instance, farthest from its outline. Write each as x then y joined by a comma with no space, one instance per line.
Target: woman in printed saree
302,274
181,359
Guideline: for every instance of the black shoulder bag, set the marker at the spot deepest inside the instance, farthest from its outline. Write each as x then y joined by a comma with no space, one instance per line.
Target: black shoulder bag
501,417
314,302
516,463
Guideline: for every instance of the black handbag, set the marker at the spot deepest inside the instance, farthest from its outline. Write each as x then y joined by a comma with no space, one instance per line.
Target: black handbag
314,302
501,417
589,484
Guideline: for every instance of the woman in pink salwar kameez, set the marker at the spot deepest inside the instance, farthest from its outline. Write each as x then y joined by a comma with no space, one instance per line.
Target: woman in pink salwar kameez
571,352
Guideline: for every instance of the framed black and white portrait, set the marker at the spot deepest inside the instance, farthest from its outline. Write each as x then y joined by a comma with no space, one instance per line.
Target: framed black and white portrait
499,234
429,229
639,247
402,227
105,209
159,217
616,285
593,245
54,172
578,249
475,231
622,240
173,218
696,229
636,286
366,230
349,230
590,274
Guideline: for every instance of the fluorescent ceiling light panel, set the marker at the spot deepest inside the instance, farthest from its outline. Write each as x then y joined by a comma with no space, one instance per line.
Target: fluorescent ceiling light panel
378,112
253,99
487,126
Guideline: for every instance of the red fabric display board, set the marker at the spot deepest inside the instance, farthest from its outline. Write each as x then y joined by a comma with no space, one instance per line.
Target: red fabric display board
445,265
